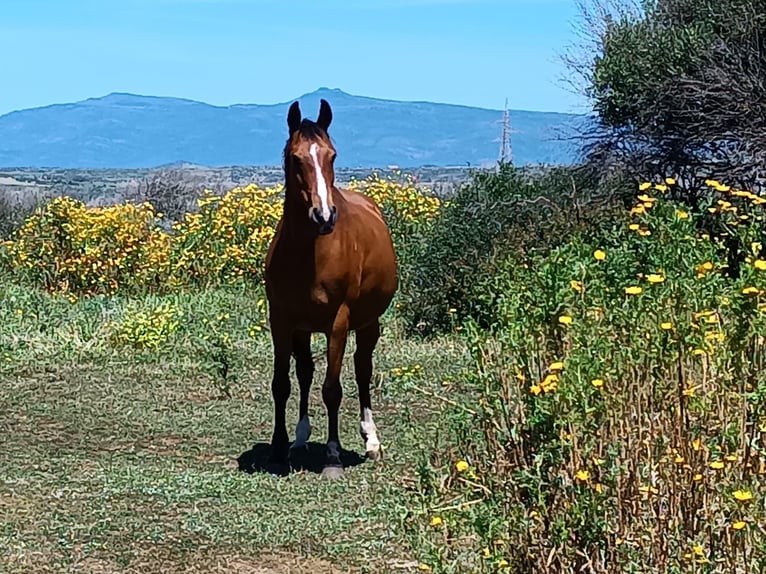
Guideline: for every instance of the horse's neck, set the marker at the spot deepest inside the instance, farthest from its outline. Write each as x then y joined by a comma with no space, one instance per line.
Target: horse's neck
296,218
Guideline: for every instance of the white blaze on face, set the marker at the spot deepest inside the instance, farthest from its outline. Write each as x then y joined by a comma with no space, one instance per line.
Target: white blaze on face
321,183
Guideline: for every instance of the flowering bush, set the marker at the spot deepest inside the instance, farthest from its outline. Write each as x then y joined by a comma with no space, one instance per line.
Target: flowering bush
68,247
227,238
617,406
146,329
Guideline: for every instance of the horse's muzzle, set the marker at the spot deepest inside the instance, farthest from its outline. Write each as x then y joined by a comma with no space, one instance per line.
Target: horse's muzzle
324,226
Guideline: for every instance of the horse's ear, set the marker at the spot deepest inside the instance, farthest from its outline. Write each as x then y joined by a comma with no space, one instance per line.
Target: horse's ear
325,115
294,118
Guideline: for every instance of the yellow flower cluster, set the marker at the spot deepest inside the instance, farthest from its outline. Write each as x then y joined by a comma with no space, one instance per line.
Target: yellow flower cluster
146,329
227,237
69,247
403,197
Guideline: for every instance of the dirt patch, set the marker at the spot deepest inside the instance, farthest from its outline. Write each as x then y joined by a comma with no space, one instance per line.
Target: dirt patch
276,564
95,566
236,564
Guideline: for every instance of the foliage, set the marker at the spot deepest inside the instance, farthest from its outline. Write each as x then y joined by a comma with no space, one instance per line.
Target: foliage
614,419
13,212
227,238
146,329
68,247
494,214
172,192
678,88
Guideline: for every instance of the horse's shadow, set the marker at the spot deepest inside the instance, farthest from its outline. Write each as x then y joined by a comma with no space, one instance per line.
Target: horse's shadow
310,459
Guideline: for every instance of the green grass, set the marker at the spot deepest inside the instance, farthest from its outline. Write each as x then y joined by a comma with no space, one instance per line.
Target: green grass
117,459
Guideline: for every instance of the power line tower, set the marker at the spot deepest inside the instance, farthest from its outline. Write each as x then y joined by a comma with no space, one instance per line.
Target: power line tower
506,151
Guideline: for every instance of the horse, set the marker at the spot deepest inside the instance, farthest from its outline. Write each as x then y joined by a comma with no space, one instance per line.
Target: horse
330,268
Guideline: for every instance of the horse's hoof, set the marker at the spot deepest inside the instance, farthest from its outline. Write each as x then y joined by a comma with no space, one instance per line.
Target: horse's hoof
375,454
332,472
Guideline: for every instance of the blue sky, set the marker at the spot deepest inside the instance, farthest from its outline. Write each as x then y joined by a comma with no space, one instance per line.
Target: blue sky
471,52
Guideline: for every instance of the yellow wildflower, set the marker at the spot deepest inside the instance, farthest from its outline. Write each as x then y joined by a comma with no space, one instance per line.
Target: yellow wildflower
461,466
743,495
582,475
565,320
598,383
599,255
655,278
633,290
739,525
436,521
666,326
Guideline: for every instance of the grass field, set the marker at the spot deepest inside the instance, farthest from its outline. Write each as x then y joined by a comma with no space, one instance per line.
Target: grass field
138,461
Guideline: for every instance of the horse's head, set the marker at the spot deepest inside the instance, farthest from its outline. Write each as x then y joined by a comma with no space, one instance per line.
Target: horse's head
309,157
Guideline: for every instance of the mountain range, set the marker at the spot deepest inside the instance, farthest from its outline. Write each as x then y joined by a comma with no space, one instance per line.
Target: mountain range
132,131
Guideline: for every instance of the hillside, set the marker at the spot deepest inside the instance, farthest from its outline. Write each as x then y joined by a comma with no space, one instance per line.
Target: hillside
130,131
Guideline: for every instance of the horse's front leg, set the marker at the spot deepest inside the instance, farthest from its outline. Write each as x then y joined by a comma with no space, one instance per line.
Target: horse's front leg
332,393
280,391
366,339
304,368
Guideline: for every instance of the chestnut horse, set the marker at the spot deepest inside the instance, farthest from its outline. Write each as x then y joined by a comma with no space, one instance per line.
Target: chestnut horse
330,268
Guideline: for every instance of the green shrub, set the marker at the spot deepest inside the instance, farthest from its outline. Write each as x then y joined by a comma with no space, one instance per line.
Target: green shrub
619,401
493,216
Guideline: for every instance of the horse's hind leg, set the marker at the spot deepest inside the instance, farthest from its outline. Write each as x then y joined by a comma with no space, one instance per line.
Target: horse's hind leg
280,391
304,368
332,393
366,340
